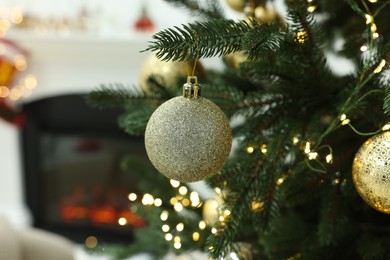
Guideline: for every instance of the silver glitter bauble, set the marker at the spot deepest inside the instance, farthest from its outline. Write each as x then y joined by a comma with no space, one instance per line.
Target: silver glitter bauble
188,139
371,172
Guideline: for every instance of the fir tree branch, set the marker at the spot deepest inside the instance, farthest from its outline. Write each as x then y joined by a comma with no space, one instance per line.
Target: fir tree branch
262,40
199,40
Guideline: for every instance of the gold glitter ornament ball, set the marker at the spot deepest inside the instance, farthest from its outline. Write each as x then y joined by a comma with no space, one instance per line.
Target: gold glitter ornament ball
167,73
188,140
371,172
237,5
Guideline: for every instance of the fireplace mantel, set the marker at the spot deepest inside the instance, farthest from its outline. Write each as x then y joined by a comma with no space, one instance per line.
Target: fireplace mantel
80,62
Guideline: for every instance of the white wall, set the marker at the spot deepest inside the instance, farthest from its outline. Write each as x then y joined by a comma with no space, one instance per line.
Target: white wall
76,63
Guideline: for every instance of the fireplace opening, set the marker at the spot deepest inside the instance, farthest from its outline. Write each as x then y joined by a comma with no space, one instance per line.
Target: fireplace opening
74,183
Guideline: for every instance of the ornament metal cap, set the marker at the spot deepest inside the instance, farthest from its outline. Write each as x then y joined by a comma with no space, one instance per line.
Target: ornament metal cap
191,89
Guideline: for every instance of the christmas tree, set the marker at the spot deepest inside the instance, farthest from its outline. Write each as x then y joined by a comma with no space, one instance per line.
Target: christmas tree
302,181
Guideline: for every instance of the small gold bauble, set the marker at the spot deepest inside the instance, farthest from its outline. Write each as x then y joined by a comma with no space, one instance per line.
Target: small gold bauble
237,5
212,210
188,139
167,73
371,172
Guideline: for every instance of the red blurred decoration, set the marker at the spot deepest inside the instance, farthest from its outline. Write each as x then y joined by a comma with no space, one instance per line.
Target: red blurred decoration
10,115
144,23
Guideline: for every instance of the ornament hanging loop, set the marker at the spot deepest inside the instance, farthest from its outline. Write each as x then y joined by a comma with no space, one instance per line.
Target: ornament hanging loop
191,89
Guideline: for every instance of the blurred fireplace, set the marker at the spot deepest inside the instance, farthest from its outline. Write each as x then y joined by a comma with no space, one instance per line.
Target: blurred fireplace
73,181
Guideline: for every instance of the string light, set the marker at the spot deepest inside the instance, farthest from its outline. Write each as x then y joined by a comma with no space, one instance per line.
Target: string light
122,221
180,227
311,8
185,202
264,148
386,127
147,199
177,239
369,19
221,218
227,212
301,36
307,147
202,224
174,183
250,149
173,201
372,1
30,81
183,190
132,197
363,48
257,205
214,230
217,190
312,155
329,158
195,200
375,35
295,140
165,228
344,120
164,215
177,245
168,236
195,236
380,66
4,92
281,180
158,202
178,207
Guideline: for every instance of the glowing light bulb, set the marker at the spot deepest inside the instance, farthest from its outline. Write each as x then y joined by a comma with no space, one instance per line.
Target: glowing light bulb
280,181
214,230
168,236
386,127
180,227
221,218
147,199
380,66
264,148
177,245
307,147
375,35
227,212
202,224
165,228
185,202
312,155
369,19
132,197
164,215
157,202
250,149
295,140
217,190
174,183
195,236
177,239
311,8
183,190
122,221
329,158
178,207
363,48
